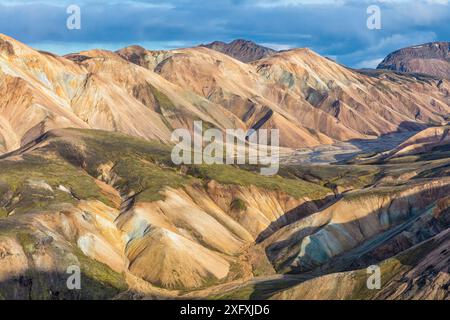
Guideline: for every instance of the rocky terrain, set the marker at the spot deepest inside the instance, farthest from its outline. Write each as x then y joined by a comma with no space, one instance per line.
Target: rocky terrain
431,58
310,99
398,221
120,204
87,180
140,227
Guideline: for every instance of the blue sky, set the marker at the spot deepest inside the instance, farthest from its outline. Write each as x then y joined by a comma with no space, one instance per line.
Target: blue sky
334,28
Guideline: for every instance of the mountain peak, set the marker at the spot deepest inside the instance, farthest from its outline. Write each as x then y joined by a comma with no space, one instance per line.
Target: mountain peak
241,49
135,54
430,58
6,47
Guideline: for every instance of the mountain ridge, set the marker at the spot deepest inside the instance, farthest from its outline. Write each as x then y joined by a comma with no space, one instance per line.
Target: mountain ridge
241,49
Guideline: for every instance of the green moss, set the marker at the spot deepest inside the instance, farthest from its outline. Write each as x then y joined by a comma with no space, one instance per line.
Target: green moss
147,179
375,192
100,147
388,268
392,267
27,241
243,293
98,281
53,172
145,168
348,176
238,205
259,291
104,280
261,266
164,104
142,168
403,160
163,101
228,174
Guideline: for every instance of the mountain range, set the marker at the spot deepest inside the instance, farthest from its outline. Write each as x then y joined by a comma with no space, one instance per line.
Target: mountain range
310,99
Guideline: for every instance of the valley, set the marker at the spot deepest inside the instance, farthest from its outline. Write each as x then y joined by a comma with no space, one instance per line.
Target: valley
342,151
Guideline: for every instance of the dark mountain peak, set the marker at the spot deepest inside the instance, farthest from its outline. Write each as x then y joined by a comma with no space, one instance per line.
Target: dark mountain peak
134,47
241,49
430,58
244,42
135,54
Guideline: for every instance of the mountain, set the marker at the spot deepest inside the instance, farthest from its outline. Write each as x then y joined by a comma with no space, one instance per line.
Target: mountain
432,59
117,206
95,89
310,99
242,50
148,94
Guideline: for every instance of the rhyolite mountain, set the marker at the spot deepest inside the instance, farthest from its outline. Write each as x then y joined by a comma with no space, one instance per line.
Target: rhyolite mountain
148,94
431,58
242,50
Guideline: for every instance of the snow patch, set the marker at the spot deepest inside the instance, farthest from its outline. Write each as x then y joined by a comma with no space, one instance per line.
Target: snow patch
64,189
40,184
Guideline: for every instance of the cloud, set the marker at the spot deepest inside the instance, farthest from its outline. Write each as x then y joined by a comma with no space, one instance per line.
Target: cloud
334,28
296,3
277,46
368,64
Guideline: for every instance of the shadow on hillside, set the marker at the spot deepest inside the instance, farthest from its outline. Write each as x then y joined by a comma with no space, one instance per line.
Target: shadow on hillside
370,245
341,152
383,143
304,210
40,285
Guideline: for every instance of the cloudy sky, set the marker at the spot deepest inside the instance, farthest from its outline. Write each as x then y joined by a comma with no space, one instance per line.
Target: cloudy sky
334,28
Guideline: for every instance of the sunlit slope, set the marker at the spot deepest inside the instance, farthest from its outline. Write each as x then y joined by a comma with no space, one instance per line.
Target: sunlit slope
148,94
95,89
311,99
119,208
122,203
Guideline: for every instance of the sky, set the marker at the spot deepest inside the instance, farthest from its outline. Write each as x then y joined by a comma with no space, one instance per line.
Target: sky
333,28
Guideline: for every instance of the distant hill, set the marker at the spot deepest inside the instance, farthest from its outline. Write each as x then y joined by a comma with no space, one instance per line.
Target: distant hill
431,59
242,50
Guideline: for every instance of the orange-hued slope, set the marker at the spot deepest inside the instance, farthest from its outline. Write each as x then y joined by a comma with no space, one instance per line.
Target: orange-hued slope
310,99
